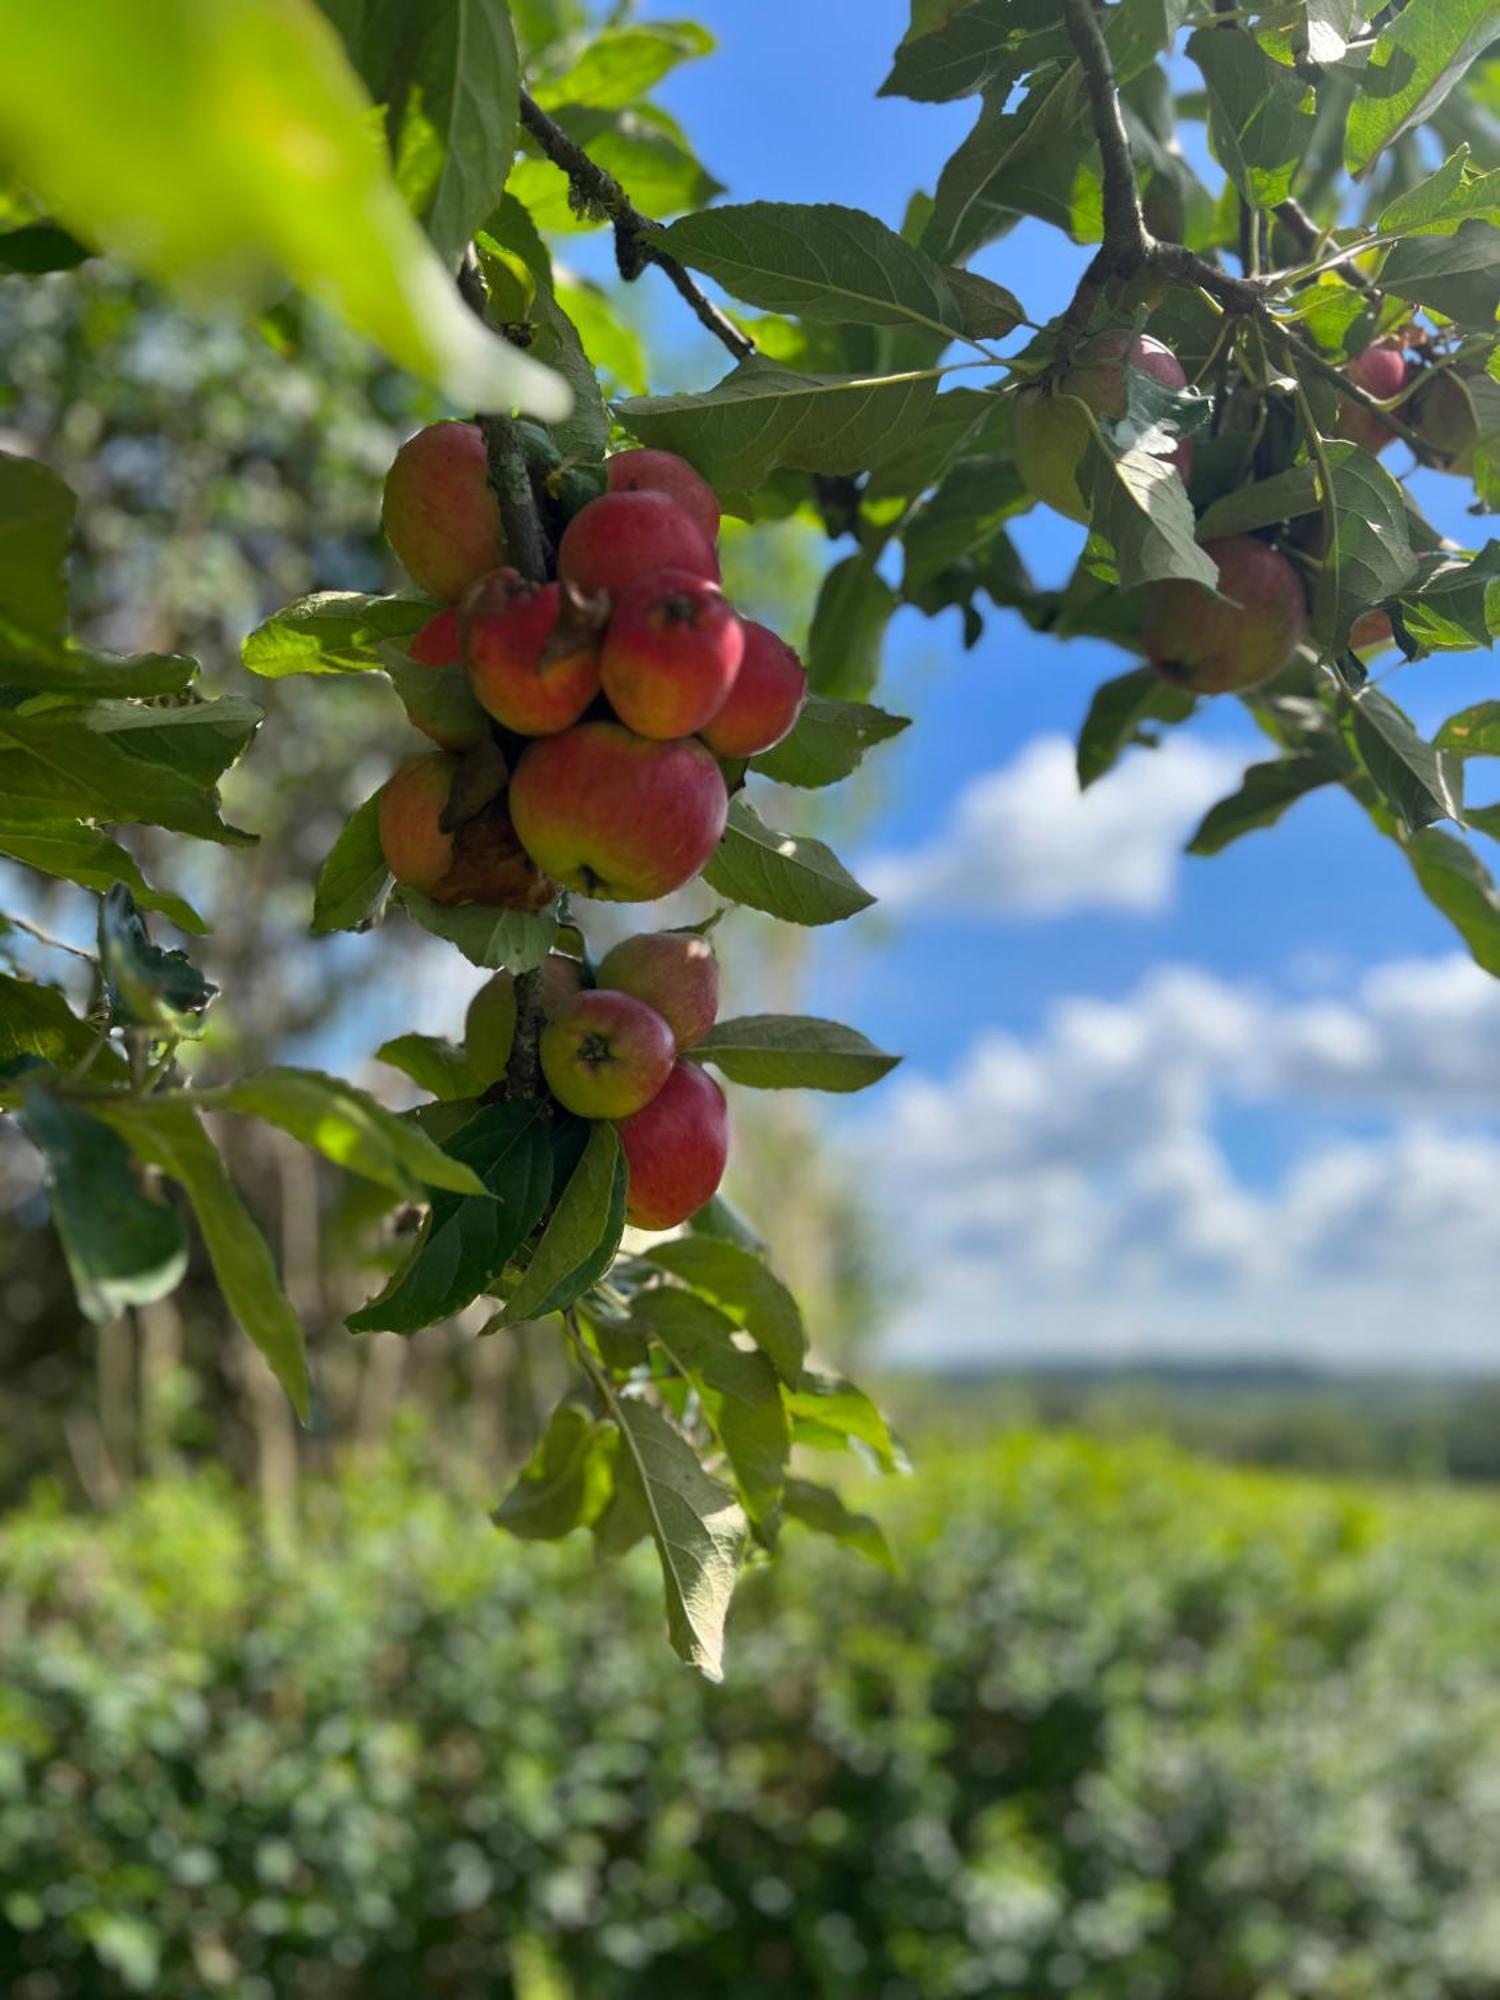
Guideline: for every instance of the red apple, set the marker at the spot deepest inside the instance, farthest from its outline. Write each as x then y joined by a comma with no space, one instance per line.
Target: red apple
1206,645
606,1055
675,972
532,667
644,470
615,815
416,849
676,1149
1380,370
671,654
440,512
764,702
1051,432
622,536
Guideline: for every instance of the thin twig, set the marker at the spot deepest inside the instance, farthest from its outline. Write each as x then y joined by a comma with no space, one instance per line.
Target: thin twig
46,937
598,193
1295,219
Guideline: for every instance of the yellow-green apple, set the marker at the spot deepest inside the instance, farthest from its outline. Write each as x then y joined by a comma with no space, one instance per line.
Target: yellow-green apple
616,815
766,698
676,1149
671,654
532,664
1208,644
417,850
490,1023
1380,370
622,536
1441,411
643,470
1051,427
606,1055
440,512
676,972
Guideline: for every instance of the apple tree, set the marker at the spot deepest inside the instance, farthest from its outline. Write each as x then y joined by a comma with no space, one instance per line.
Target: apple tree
1288,220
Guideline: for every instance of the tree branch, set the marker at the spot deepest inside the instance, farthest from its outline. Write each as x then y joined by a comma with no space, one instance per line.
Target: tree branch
525,538
596,192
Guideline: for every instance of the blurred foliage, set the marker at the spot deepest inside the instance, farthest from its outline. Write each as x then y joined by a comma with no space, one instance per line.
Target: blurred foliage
1125,1729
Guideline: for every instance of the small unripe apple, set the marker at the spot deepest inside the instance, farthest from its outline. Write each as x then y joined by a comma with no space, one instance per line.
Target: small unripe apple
671,654
606,1055
1205,645
676,972
416,849
1441,410
622,536
440,513
616,815
643,470
1380,370
1050,432
676,1149
530,665
764,702
490,1023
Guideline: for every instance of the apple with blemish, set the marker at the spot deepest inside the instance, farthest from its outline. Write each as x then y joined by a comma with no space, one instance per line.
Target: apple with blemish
615,815
1052,427
671,654
676,1149
606,1055
644,470
764,702
1219,644
621,537
440,513
531,663
676,972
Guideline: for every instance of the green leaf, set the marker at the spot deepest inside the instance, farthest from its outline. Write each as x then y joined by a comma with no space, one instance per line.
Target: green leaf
820,1509
40,246
789,876
1422,52
1419,782
122,1248
467,1240
147,986
348,1127
1458,275
988,310
1473,732
961,520
554,338
1117,714
332,632
1283,497
828,743
742,1286
1454,604
1141,509
762,417
75,853
697,1526
170,1137
644,149
519,939
979,46
232,150
738,1390
52,768
818,261
1265,793
844,648
1369,556
1436,206
198,739
438,701
1261,113
792,1052
831,1414
582,1235
564,1484
439,1067
354,882
36,525
1035,160
74,670
1454,879
36,1021
614,348
622,64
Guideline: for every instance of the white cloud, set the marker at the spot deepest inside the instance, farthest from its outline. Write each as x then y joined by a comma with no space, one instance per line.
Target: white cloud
1025,841
1070,1194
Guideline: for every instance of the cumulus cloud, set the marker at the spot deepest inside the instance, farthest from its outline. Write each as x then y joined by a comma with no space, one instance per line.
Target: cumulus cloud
1025,841
1071,1194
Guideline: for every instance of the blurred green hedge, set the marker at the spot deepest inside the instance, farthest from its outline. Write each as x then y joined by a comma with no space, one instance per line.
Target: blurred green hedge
1126,1727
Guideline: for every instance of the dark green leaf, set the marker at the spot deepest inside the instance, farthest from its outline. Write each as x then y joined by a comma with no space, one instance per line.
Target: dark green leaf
1141,509
792,1052
1458,275
743,1286
37,1021
519,939
1369,556
1418,782
1261,113
148,987
199,739
36,525
582,1235
76,853
354,882
51,767
40,246
566,1481
75,670
1117,714
789,876
979,46
855,605
439,1067
511,234
1035,160
1282,497
1457,882
828,743
1265,793
820,1509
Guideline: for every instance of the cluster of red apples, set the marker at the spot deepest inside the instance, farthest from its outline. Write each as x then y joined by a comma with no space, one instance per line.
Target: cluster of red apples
617,691
615,1050
1207,643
